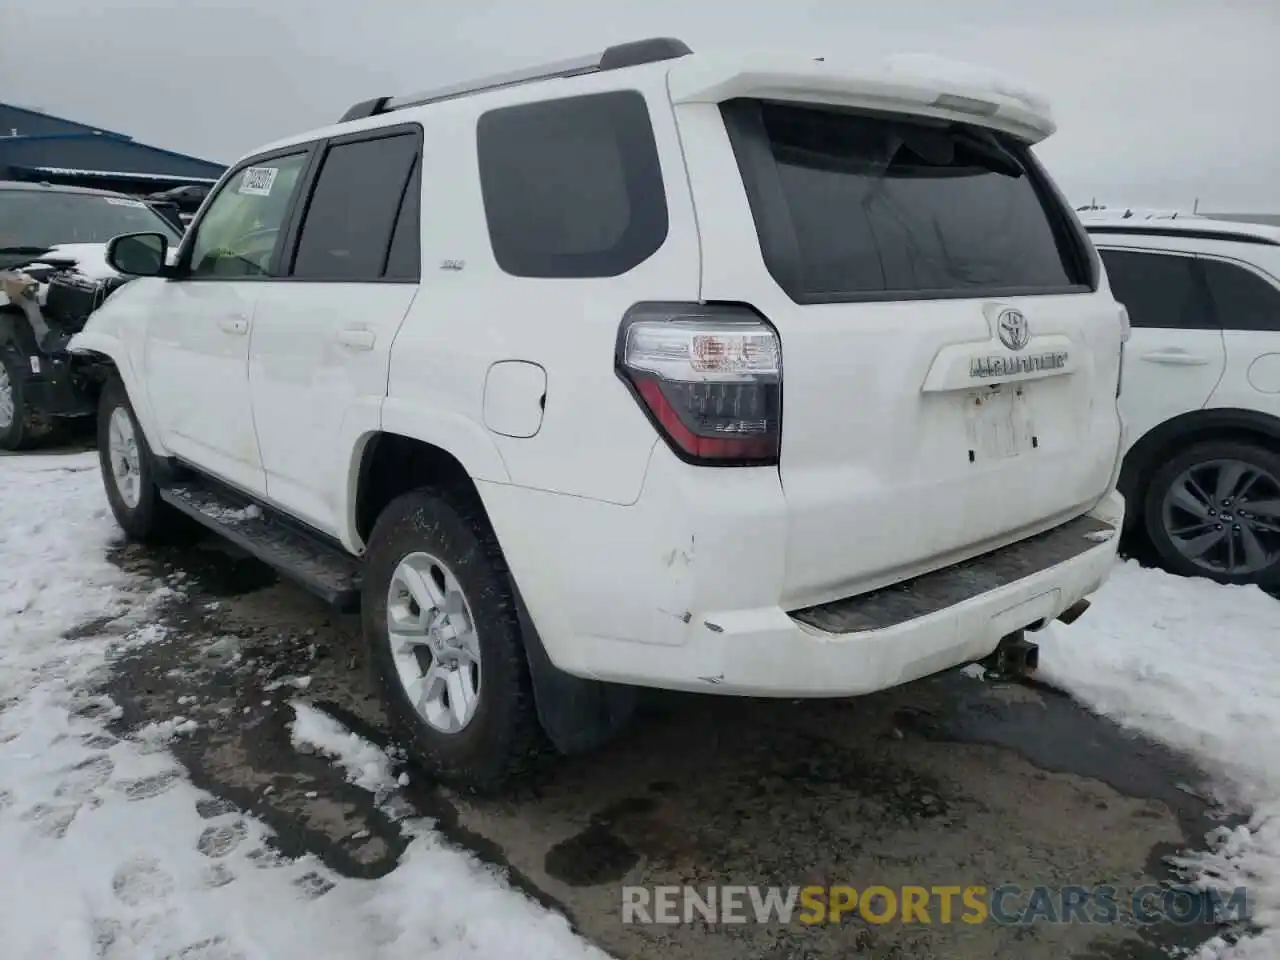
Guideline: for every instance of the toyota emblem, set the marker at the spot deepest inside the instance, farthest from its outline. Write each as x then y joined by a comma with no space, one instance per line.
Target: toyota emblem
1012,327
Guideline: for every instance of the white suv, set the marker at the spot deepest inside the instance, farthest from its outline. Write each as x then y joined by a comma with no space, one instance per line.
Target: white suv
760,376
1201,394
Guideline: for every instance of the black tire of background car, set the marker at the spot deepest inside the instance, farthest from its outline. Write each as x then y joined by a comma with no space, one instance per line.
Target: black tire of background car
504,741
152,520
26,429
1168,472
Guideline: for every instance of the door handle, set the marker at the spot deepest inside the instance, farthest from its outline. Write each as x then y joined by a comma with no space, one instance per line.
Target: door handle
1176,358
237,324
357,339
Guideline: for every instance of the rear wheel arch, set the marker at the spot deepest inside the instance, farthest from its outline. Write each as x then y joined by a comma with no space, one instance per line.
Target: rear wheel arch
391,464
576,714
1158,445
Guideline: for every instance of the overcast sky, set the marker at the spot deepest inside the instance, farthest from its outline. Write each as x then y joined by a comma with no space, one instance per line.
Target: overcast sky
1158,101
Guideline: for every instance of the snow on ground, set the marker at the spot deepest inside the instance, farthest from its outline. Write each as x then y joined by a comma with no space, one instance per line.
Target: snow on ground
111,854
367,766
1197,666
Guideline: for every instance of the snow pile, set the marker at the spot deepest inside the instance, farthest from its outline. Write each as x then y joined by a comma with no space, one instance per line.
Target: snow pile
90,259
1196,665
114,855
366,765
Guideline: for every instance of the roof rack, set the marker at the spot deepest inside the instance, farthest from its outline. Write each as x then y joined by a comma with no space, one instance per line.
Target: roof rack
1148,228
633,54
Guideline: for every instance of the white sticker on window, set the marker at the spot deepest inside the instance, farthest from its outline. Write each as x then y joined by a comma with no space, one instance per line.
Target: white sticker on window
123,202
258,181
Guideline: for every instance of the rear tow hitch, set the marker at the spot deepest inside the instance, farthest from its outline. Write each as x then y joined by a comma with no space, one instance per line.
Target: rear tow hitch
1016,656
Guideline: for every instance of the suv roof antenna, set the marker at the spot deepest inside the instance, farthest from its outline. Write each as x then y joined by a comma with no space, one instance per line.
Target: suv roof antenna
616,57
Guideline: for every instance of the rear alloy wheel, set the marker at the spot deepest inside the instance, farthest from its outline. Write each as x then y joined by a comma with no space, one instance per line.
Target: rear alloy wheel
443,634
1214,511
432,634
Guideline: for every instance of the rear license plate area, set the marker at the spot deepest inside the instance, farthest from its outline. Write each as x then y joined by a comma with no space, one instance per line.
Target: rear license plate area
998,421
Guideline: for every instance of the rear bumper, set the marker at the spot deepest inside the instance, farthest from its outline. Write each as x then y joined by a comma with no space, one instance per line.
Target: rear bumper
768,652
683,591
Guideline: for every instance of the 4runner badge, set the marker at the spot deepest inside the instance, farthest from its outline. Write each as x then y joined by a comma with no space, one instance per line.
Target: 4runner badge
1005,366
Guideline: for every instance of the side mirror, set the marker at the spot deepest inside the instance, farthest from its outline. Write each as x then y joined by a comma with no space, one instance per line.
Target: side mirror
139,254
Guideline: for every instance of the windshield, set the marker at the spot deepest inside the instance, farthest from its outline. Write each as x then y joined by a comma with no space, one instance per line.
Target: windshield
45,218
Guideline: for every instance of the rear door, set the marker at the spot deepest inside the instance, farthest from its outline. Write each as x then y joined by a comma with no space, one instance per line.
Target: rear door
323,330
1175,356
949,373
1247,303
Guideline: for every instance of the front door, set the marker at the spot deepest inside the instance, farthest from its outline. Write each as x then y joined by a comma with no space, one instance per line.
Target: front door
197,347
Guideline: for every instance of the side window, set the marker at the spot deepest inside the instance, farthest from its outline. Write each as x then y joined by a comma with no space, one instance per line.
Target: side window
572,187
1159,290
347,230
1243,300
237,236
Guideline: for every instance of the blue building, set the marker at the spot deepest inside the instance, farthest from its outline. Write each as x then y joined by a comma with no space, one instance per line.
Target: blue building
35,146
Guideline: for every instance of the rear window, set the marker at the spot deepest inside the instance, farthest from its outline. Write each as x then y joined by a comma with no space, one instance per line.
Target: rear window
572,187
850,206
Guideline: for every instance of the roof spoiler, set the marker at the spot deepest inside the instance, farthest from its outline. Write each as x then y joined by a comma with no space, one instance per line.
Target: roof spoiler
633,54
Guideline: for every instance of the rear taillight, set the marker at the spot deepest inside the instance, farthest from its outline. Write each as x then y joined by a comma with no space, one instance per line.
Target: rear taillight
710,378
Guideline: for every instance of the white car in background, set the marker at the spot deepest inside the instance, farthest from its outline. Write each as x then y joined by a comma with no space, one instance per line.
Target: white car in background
1201,396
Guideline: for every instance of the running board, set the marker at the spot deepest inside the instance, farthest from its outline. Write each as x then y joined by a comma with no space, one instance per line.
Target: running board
305,558
933,592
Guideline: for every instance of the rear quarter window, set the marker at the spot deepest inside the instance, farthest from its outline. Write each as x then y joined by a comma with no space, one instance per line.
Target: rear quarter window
853,206
1242,298
572,187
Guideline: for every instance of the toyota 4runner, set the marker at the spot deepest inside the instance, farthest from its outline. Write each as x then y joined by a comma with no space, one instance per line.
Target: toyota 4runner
760,375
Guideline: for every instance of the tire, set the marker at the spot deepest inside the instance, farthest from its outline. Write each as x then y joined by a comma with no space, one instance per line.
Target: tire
1217,514
20,428
449,540
140,512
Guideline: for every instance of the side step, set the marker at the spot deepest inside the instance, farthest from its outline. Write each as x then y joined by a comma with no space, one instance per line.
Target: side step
307,559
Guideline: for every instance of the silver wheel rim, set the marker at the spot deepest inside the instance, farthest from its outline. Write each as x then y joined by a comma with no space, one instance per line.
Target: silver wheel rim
6,399
122,454
433,642
1224,517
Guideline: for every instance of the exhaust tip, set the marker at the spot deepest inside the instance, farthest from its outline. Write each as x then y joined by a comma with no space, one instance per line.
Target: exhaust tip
1074,612
1015,656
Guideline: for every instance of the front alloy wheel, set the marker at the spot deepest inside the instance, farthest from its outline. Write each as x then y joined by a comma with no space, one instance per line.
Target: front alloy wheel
122,453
